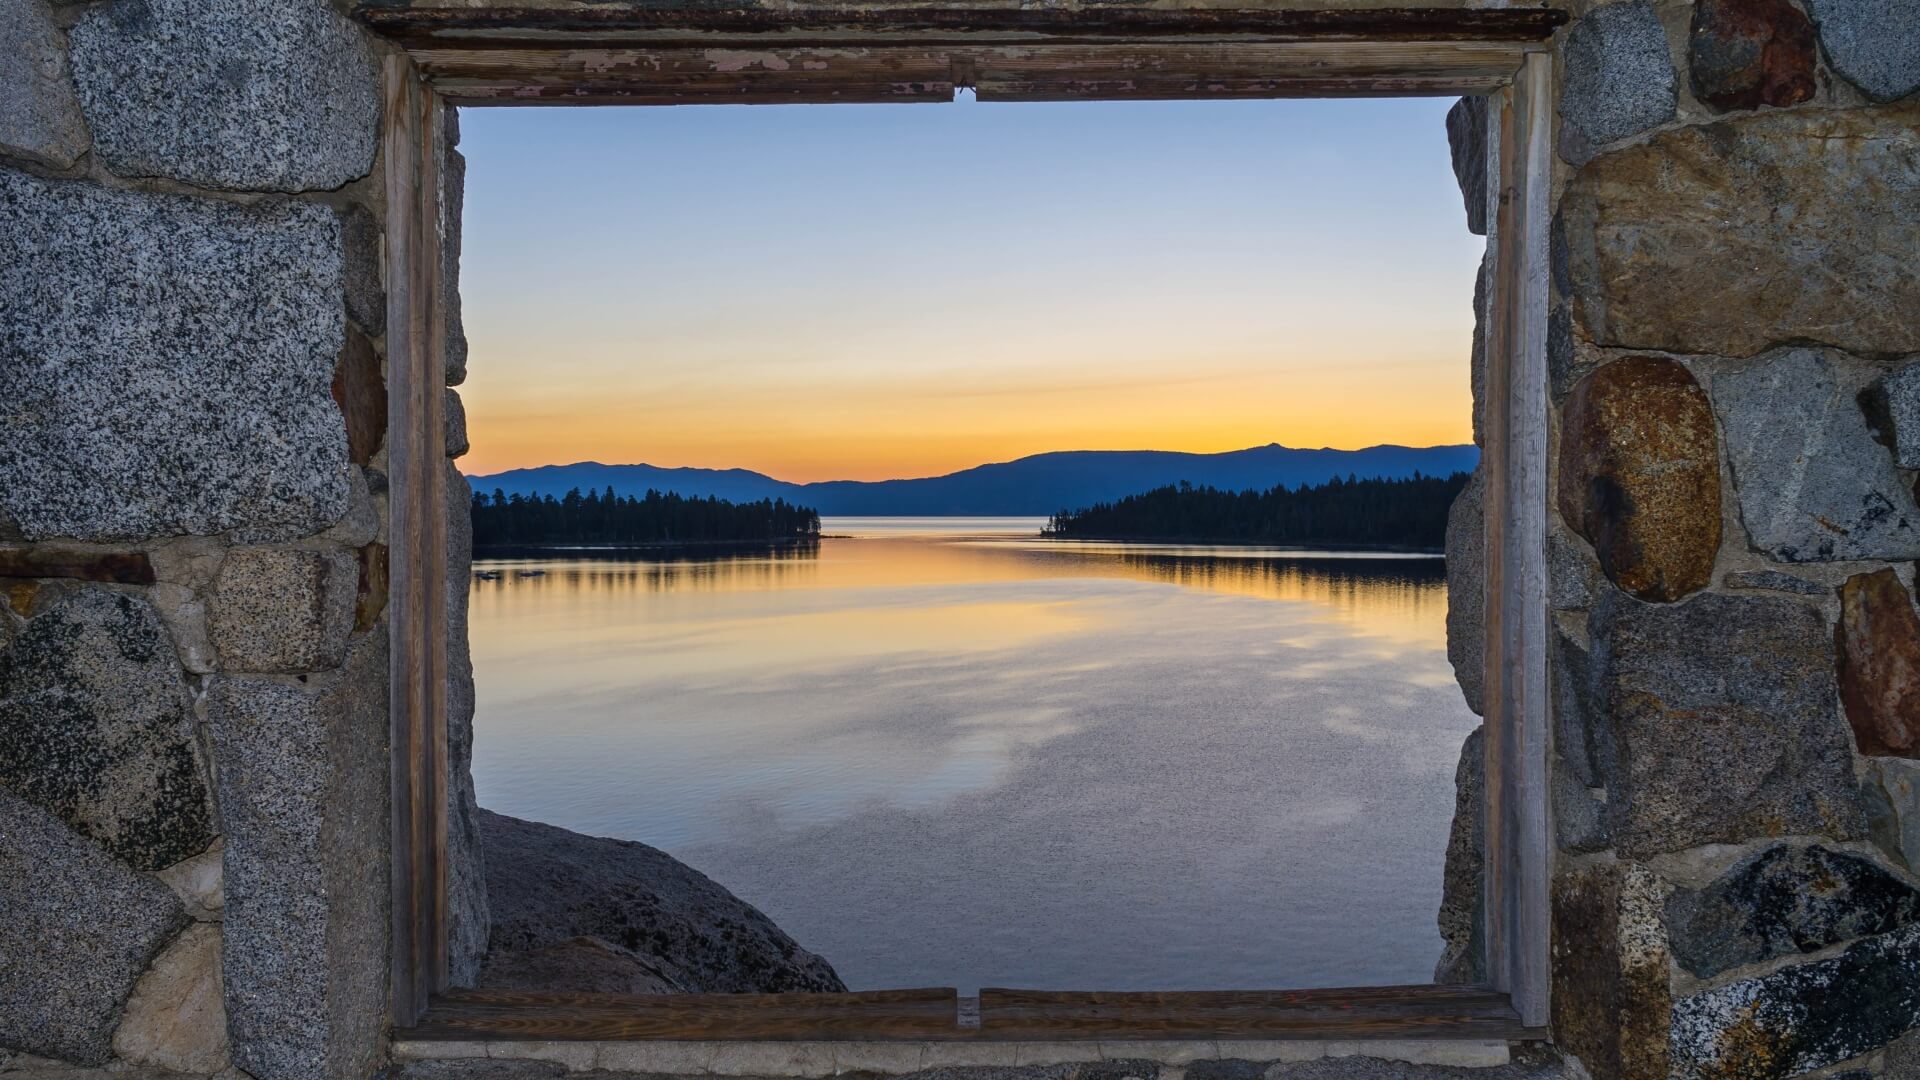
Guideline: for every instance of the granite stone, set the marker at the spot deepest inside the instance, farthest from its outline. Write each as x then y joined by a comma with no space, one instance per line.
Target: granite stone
283,609
1467,145
1813,485
456,422
1466,593
1804,1017
1895,785
1762,229
1742,54
234,95
1619,78
1873,44
79,929
1610,1002
1783,901
39,116
303,791
1879,643
1639,476
166,363
175,1018
1461,906
1774,581
96,727
361,247
1717,720
453,201
469,917
1893,404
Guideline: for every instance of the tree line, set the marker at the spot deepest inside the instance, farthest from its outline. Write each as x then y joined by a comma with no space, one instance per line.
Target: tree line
655,518
1405,513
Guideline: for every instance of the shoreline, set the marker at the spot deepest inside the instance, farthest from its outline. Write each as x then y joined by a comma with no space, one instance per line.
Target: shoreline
1190,541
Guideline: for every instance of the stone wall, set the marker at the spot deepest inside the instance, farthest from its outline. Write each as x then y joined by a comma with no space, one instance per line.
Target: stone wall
1735,370
194,830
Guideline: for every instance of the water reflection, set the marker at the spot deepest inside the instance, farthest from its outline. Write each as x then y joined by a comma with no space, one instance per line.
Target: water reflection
975,758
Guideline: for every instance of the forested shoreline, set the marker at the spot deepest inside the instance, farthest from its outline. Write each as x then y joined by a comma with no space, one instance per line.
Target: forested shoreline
503,520
1408,513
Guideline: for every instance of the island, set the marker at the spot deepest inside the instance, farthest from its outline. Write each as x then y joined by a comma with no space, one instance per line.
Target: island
1406,514
652,520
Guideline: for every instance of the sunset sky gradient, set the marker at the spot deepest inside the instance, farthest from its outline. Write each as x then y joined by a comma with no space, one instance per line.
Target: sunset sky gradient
864,292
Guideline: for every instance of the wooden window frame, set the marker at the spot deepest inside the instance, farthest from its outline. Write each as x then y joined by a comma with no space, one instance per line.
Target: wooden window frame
547,56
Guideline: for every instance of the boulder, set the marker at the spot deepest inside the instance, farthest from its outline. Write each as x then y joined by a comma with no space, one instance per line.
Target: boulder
1813,485
1619,78
1462,909
96,726
166,363
546,885
1743,54
1879,642
236,95
1716,721
581,964
283,609
79,929
1783,901
1729,238
39,116
1796,1019
1873,44
175,1018
1610,997
1639,476
303,790
1466,593
1467,145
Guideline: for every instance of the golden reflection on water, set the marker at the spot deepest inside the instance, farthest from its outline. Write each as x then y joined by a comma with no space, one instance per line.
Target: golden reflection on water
964,759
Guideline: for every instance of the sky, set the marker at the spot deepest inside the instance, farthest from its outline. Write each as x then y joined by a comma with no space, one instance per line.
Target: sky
872,291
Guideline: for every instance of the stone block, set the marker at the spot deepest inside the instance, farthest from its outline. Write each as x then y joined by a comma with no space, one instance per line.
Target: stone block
1880,664
1873,44
1467,145
1461,907
1579,819
283,609
1742,54
453,200
365,272
469,916
185,614
1893,406
1774,581
1716,720
1639,476
1783,901
79,929
1812,483
303,791
1619,78
456,421
236,95
360,390
1729,238
175,1018
96,726
166,363
197,882
39,116
1897,782
1466,593
1573,574
1610,971
1805,1017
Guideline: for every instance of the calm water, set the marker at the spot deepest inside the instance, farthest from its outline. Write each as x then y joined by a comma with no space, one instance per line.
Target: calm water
938,752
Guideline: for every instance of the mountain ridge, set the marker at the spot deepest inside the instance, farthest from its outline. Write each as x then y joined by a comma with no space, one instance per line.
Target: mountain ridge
1035,485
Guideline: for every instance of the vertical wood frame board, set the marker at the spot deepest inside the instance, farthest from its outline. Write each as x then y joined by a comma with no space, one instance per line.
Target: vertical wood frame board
413,149
503,56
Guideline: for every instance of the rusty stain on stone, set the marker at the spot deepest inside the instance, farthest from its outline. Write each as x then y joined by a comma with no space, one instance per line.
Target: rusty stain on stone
361,392
370,597
1747,53
1640,476
118,567
1879,659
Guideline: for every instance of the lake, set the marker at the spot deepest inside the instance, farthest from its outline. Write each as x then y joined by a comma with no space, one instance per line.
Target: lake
943,752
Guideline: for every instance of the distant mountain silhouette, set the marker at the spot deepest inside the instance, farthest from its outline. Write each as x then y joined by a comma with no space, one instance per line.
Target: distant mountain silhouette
1031,486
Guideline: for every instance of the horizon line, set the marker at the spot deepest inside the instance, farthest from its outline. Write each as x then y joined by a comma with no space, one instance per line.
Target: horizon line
985,464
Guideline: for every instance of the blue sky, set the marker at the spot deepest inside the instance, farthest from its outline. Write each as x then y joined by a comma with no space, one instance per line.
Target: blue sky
890,290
